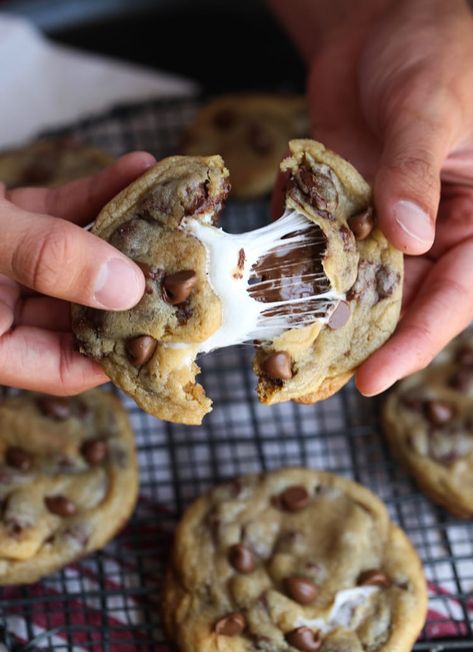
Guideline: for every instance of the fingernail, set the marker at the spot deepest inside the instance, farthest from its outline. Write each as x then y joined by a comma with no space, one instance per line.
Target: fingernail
414,221
382,388
117,285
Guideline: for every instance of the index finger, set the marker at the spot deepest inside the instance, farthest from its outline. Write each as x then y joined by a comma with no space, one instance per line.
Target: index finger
45,361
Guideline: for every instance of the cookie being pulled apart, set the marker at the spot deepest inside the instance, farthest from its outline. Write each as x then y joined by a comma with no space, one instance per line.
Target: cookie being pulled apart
318,290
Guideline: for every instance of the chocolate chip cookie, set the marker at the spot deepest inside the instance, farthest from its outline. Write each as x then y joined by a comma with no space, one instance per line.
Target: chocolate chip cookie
50,162
318,290
251,133
428,420
359,276
149,351
296,559
68,480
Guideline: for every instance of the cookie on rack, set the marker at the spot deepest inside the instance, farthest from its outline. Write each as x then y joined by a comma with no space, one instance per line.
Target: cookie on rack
50,162
428,420
319,289
296,559
68,480
251,133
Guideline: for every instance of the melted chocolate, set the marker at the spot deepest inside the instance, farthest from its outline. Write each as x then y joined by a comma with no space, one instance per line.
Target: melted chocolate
291,273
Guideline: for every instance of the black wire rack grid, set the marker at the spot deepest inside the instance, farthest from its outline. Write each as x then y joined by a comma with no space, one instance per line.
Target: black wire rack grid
109,602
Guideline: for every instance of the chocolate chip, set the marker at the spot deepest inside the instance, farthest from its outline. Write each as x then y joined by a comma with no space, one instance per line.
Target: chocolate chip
465,356
414,404
224,119
42,169
197,199
132,236
278,365
150,271
438,412
294,498
373,577
60,505
461,379
56,407
178,286
18,458
362,224
94,451
184,312
14,528
319,189
300,589
140,349
242,558
259,139
339,316
347,237
240,264
231,624
386,281
304,639
80,409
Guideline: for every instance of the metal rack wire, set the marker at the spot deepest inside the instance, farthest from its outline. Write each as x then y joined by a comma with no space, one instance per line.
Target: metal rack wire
110,601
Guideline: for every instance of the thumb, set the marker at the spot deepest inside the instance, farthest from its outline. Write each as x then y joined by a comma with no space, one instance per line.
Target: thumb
407,184
61,260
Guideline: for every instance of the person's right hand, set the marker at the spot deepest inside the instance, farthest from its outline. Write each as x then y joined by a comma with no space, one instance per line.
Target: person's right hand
46,261
391,89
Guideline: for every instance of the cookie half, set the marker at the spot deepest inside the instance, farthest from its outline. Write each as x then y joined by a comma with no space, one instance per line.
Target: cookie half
428,420
50,162
296,559
360,267
69,480
149,351
318,290
251,133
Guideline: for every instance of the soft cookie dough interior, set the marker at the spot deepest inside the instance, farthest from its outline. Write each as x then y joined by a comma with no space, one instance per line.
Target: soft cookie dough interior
317,290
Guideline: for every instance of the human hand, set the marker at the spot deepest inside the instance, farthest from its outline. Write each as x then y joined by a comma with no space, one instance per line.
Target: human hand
46,261
391,89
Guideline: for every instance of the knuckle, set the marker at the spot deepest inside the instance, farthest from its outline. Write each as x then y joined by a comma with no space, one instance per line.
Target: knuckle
39,260
417,171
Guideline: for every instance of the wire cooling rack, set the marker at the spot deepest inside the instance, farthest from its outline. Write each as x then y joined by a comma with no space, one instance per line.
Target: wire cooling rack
109,602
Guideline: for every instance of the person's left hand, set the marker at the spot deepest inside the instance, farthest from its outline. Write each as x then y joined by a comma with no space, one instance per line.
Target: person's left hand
47,262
